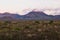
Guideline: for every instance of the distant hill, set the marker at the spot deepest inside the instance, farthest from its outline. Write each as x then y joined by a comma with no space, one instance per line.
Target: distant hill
9,16
33,15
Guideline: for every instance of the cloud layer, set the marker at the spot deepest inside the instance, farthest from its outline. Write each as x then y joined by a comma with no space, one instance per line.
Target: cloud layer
20,5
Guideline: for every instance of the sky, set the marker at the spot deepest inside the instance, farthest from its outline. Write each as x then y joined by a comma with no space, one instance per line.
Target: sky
23,6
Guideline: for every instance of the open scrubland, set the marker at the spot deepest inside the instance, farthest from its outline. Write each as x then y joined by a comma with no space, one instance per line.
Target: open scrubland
30,30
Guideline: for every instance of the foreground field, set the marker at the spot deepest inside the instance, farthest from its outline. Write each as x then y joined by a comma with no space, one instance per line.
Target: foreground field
29,30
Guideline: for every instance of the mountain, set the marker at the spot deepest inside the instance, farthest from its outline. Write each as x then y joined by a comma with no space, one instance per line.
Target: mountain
37,15
33,15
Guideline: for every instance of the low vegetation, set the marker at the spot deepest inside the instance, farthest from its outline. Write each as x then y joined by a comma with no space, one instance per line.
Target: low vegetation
30,30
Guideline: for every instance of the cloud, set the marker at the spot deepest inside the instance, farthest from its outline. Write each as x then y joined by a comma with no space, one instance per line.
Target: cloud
19,5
